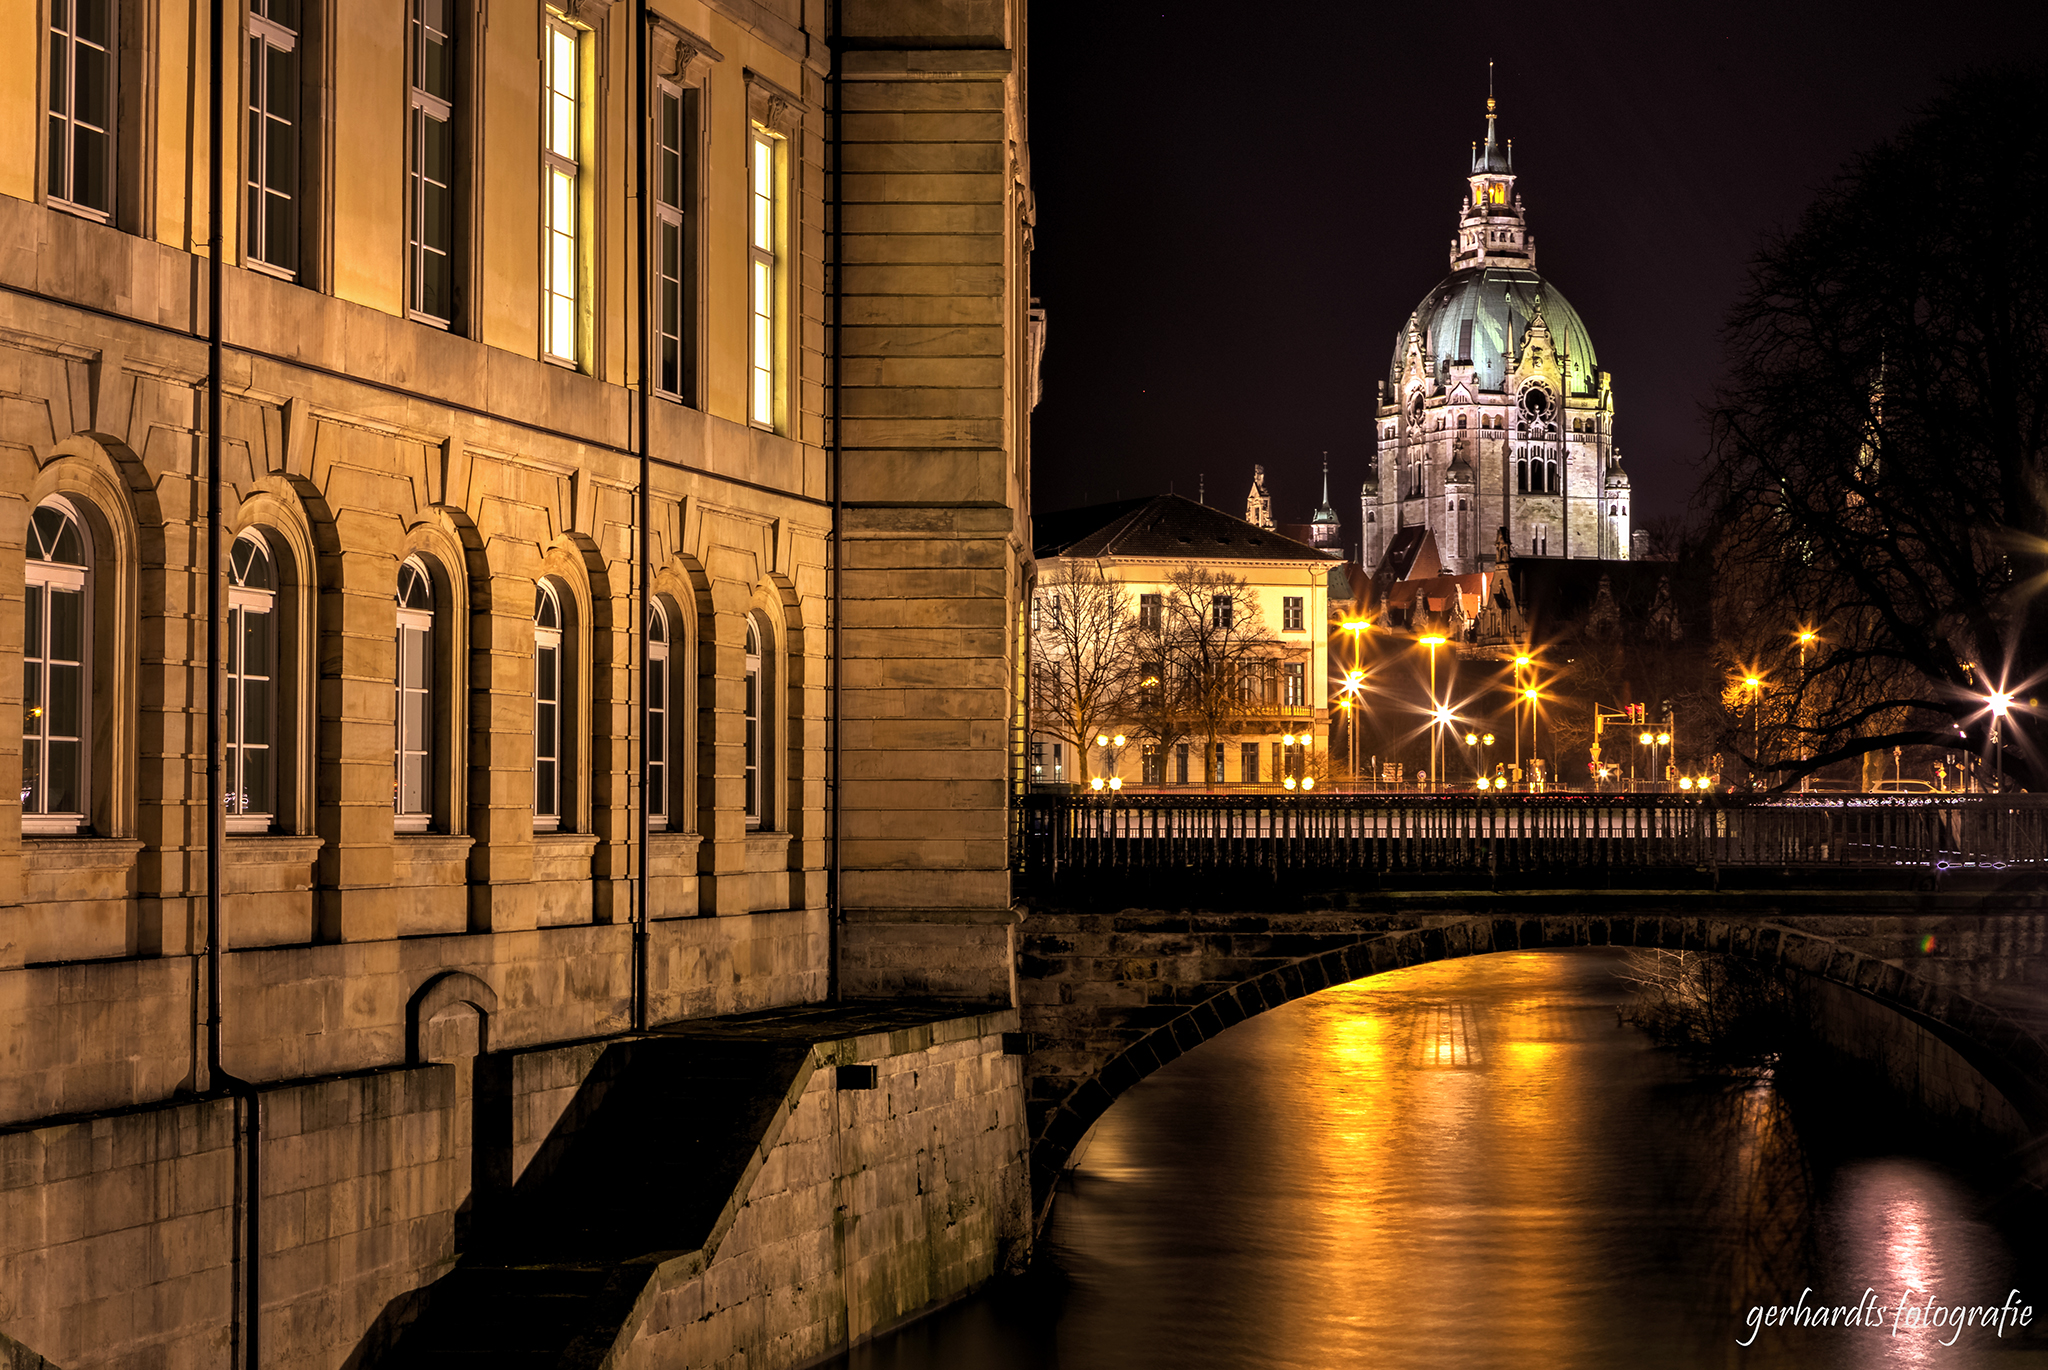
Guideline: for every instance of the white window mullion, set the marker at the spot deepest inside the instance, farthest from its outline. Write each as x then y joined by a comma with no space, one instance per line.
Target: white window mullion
764,277
560,191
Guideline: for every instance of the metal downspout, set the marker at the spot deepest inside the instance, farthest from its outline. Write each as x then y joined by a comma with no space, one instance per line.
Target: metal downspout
835,914
645,553
249,1313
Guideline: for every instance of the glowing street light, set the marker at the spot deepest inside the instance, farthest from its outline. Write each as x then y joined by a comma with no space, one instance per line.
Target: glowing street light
2000,703
1442,715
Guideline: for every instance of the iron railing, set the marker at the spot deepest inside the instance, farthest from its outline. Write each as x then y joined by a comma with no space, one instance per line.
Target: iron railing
1556,833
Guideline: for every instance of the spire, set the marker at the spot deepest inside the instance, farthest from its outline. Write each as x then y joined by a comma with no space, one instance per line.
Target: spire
1493,157
1326,477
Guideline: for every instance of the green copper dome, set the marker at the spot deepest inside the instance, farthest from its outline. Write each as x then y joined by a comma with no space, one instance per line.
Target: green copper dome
1497,302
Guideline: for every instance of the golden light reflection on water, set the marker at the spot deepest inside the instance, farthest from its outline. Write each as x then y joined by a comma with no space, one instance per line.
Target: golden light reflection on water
1471,1164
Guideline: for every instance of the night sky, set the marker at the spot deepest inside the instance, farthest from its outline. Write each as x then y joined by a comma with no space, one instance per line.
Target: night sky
1239,206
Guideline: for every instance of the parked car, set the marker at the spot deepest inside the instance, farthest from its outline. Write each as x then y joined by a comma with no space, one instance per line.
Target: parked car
1902,787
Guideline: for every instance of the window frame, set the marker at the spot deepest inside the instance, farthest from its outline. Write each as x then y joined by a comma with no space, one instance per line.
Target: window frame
549,648
672,319
561,168
767,207
424,107
66,165
244,601
757,779
1293,617
412,619
66,577
267,38
663,751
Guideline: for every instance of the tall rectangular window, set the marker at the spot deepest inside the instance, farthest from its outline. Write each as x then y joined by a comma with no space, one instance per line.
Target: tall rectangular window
1290,614
763,223
412,740
1248,753
430,163
81,110
1293,685
272,155
673,176
1151,609
560,177
1222,610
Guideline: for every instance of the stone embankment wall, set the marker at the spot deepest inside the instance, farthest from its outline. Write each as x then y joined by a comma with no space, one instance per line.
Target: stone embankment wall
118,1233
871,1207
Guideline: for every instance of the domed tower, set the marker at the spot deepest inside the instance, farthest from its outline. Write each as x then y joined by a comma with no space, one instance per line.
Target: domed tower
1495,373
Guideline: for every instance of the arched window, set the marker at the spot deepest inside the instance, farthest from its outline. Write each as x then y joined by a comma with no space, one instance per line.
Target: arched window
1522,470
547,708
251,790
757,787
659,768
1550,477
412,791
56,626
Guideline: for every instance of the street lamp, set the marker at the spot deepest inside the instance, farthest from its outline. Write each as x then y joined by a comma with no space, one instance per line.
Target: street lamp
1522,664
1754,683
1807,637
2001,704
1442,715
1111,747
1353,692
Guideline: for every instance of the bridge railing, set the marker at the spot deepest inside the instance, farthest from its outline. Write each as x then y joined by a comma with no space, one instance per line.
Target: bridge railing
1065,833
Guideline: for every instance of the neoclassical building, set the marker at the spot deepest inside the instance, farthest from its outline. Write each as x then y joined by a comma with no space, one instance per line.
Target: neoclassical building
512,529
1495,424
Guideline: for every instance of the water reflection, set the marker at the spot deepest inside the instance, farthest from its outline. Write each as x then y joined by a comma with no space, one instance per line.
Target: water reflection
1468,1164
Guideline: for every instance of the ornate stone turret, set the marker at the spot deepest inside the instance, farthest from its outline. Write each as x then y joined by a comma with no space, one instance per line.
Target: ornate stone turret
1491,226
1258,505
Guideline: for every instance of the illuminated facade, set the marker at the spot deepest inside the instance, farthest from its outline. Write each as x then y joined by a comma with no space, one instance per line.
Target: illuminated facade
1495,420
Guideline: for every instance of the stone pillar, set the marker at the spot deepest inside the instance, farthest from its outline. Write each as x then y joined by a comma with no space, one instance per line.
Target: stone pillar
355,655
935,433
500,790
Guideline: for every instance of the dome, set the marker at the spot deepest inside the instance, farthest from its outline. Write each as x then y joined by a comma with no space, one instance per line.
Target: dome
1496,299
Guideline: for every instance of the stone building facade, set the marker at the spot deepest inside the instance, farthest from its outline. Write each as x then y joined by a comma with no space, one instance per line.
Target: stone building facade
537,439
1495,419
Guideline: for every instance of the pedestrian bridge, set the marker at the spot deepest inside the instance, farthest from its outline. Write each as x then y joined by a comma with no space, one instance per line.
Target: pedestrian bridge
1153,922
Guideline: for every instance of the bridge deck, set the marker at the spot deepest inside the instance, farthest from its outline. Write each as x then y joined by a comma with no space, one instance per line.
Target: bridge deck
1063,835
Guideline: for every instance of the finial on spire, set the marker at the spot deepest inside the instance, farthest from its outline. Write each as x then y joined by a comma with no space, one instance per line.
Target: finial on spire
1326,477
1489,85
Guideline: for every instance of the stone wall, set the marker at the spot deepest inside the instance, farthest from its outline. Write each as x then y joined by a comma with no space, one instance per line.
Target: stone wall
120,1232
871,1206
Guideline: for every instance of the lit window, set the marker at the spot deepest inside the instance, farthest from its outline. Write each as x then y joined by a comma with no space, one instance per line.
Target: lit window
756,779
81,107
1498,193
272,155
547,709
658,742
252,685
1290,614
1293,684
56,625
764,275
430,163
561,119
672,304
411,787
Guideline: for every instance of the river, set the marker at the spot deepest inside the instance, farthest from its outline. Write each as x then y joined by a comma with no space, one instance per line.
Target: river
1474,1164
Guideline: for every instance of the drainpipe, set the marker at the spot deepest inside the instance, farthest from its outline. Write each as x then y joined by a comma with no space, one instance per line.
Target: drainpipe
218,1077
640,149
835,914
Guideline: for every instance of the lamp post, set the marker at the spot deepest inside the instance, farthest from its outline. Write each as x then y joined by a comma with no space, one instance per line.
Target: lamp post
1754,683
1522,664
1807,637
1111,746
1438,712
1529,696
1354,687
2001,704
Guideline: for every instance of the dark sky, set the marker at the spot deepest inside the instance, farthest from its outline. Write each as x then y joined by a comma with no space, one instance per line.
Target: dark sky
1239,206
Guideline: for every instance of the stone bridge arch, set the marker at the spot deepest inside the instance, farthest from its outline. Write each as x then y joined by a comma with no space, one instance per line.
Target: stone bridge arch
2009,1055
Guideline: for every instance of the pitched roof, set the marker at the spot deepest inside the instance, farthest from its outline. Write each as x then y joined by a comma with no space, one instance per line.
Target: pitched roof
1161,528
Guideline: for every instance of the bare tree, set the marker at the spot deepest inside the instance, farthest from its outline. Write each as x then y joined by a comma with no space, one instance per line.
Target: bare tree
1218,660
1877,473
1083,655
